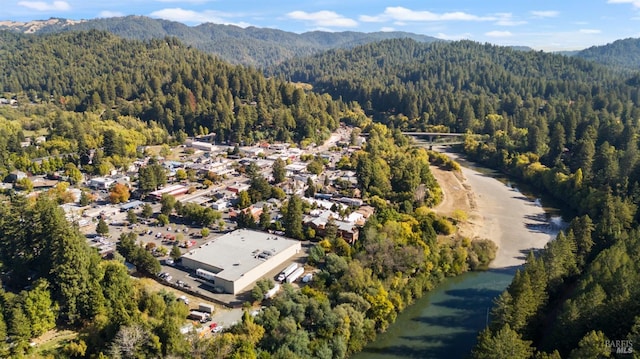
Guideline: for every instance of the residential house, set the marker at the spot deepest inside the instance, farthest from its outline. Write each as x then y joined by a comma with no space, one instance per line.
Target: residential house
15,176
252,151
254,211
318,220
101,183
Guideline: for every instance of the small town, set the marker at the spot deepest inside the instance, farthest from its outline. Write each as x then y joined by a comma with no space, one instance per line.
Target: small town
233,230
212,179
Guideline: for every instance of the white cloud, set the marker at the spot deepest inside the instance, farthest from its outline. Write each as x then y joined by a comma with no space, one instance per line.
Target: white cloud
545,13
323,18
44,6
498,34
590,31
635,3
367,18
196,17
403,14
506,19
107,13
387,29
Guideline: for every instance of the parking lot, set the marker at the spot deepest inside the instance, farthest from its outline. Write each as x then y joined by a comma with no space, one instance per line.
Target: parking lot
199,286
228,307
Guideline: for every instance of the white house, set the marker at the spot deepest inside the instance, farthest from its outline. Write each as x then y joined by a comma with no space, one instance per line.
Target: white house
100,183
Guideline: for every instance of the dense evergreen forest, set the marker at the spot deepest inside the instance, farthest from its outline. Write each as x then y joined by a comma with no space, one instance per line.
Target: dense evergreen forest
181,89
71,94
621,53
251,46
564,125
96,92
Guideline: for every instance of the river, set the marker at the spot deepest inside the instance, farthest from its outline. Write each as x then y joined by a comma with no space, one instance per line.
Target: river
446,321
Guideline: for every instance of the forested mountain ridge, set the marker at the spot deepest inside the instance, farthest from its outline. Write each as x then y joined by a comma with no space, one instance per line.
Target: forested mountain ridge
94,93
563,124
414,80
258,47
623,53
180,88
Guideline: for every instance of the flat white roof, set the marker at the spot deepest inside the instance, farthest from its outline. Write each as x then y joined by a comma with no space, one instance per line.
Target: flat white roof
296,167
101,180
168,189
237,252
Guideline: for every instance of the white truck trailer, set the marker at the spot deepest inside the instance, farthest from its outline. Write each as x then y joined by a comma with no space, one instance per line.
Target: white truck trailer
198,315
287,271
295,275
271,292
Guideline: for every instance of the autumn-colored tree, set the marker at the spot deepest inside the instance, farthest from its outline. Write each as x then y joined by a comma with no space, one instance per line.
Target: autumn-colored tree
119,193
181,174
244,200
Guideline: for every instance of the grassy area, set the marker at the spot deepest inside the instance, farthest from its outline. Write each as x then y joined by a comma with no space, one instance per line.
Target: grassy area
50,343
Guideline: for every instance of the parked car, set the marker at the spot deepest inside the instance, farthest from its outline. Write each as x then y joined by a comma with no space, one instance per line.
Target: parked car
183,299
169,262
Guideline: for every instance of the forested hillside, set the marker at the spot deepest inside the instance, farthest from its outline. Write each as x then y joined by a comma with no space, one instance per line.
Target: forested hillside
624,54
180,88
565,125
258,47
417,82
97,99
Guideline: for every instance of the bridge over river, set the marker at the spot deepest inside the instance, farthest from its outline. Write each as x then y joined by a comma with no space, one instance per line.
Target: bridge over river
442,138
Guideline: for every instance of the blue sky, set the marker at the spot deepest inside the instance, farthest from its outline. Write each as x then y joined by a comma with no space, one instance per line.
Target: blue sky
542,25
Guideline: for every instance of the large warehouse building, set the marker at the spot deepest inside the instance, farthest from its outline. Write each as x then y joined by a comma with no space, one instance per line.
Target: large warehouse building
238,259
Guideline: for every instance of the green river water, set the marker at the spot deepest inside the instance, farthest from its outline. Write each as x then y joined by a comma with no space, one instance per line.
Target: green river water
445,322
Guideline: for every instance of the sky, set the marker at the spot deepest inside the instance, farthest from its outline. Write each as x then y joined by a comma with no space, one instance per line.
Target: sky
542,25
